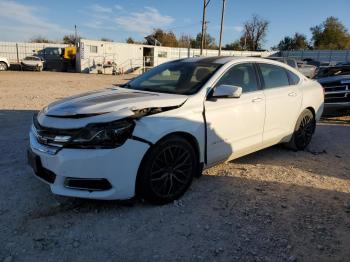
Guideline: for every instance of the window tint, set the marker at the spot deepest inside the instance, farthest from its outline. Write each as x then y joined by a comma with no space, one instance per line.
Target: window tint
274,76
293,78
242,75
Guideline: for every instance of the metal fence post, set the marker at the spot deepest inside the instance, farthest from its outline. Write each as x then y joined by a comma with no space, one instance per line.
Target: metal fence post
17,53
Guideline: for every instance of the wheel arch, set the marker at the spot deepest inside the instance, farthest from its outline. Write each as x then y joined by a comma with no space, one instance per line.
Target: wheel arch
312,110
187,136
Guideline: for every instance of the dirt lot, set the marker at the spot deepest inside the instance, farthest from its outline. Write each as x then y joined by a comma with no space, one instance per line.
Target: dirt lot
274,205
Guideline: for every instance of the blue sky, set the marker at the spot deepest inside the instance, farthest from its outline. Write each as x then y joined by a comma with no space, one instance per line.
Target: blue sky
20,20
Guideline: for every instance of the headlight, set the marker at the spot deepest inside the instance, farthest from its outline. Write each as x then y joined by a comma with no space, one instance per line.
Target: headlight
109,135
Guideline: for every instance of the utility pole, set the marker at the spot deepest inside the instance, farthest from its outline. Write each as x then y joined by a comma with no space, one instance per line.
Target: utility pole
75,36
204,24
222,24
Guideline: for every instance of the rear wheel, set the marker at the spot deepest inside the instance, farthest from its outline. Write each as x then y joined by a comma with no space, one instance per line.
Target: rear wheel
304,131
3,66
167,170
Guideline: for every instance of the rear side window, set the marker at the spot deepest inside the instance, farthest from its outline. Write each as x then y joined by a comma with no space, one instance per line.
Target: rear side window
242,75
293,78
273,76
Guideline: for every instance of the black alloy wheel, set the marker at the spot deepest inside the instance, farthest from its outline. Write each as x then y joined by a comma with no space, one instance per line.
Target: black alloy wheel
304,131
167,170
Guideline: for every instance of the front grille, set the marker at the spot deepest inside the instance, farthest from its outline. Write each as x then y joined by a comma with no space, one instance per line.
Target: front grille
336,93
337,99
52,136
93,184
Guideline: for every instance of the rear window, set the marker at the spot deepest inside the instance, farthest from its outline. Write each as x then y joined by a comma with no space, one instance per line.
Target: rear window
293,78
274,76
291,63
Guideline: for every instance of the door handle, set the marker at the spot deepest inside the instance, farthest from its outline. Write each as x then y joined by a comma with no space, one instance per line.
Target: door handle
292,94
256,100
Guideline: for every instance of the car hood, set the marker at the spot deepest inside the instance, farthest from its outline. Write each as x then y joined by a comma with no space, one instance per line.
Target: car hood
111,100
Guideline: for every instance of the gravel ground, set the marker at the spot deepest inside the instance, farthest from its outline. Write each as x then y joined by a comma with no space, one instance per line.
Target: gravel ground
273,205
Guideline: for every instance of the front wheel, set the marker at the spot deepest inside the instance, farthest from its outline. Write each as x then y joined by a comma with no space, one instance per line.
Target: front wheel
167,170
304,131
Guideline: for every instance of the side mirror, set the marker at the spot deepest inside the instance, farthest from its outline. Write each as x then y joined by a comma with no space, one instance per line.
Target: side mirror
227,91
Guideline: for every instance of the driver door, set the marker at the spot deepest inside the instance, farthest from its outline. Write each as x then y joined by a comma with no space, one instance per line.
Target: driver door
235,125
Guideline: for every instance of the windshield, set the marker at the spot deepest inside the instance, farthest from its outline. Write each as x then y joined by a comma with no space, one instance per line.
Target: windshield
333,71
178,77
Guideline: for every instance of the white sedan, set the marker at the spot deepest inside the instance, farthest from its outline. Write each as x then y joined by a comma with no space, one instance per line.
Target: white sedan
151,136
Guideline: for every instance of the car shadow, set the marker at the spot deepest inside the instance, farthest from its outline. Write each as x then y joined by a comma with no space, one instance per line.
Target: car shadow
227,214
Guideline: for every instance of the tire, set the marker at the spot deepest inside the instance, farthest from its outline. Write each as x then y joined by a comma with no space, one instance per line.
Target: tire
304,130
3,66
167,170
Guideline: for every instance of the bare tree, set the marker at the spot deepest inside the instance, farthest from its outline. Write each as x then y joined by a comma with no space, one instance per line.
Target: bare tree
185,41
71,39
254,33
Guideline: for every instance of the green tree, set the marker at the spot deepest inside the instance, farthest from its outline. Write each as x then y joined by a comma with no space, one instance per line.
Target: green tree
209,43
295,42
236,46
331,34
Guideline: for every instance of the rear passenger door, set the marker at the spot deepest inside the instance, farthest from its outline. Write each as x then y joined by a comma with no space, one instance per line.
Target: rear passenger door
283,101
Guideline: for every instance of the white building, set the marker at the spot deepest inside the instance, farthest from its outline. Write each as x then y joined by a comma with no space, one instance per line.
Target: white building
110,57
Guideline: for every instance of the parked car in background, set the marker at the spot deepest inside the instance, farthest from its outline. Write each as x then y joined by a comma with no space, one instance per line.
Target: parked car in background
33,63
152,135
4,64
307,70
317,63
336,83
344,63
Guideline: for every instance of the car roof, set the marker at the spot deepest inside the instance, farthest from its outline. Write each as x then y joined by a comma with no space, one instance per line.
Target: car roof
222,59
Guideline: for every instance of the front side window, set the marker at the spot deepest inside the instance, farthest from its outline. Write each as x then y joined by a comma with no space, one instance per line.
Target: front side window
273,76
242,75
178,77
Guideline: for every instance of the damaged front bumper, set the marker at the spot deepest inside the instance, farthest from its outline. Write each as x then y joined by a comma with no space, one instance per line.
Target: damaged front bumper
116,167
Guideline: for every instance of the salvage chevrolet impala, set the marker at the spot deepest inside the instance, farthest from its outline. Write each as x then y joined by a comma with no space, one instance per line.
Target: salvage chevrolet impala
151,136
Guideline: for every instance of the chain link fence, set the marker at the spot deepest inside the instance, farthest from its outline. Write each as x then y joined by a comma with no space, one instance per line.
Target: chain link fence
319,55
